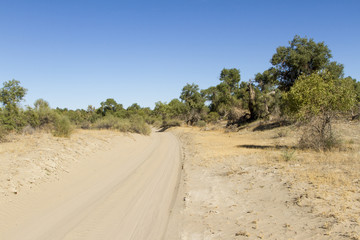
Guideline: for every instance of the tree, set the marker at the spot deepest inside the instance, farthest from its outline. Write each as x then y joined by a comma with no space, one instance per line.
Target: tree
41,104
303,57
222,97
267,79
109,106
194,102
12,94
231,78
316,99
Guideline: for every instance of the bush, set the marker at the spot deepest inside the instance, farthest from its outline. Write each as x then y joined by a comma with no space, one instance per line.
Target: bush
318,137
108,122
315,100
62,127
138,125
135,124
212,117
123,125
112,122
200,123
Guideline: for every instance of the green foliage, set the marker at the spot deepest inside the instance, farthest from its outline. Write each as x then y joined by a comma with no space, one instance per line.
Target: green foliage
11,117
212,117
223,96
194,103
138,125
135,124
112,122
191,96
62,126
318,95
11,94
303,57
109,106
201,123
315,100
231,78
267,79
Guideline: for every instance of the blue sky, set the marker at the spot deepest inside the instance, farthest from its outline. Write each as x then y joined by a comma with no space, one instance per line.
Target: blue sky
81,52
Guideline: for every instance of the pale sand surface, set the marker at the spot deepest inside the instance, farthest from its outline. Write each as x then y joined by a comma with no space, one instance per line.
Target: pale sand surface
91,186
239,185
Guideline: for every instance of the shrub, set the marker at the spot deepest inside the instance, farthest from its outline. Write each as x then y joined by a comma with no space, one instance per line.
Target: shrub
212,117
138,125
107,122
317,136
62,126
200,123
123,125
315,100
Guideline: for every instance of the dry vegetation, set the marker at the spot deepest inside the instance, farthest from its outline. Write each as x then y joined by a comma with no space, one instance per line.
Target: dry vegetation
323,185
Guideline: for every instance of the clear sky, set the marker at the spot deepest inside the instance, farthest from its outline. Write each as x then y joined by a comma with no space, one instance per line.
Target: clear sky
80,52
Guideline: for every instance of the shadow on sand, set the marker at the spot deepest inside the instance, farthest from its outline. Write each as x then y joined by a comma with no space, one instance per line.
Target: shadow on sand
251,146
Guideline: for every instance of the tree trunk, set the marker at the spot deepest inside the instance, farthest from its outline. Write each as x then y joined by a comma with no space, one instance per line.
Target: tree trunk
252,101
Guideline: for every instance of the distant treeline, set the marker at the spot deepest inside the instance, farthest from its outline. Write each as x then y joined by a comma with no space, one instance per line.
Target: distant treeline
302,84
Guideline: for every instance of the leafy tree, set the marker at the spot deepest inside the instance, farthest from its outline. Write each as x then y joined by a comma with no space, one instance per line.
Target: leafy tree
162,109
267,80
177,108
303,57
316,99
223,96
231,78
194,102
12,94
109,106
134,107
41,104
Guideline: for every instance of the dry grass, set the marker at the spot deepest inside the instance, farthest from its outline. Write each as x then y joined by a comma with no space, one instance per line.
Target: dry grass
327,182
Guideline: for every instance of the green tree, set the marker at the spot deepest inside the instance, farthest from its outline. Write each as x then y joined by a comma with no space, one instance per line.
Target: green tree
11,94
231,78
194,102
316,99
109,106
41,104
223,96
303,57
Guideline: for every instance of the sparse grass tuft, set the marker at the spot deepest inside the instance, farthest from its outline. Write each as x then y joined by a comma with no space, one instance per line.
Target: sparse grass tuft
288,155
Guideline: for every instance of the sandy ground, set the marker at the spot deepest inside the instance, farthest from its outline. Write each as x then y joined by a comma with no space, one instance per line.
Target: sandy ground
95,185
234,185
247,185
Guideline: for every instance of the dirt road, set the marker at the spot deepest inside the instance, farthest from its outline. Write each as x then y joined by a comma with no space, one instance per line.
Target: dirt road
122,193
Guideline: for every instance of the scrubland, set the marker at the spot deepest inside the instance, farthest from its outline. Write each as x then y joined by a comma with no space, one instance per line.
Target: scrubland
255,183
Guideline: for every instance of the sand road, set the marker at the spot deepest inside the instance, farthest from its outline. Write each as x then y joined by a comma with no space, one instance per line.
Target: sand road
124,193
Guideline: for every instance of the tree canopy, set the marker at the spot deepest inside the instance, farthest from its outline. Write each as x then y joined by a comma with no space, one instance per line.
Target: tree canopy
11,94
302,56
